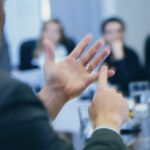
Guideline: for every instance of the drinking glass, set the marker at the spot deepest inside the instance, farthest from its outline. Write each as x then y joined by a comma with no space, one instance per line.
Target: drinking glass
137,91
85,122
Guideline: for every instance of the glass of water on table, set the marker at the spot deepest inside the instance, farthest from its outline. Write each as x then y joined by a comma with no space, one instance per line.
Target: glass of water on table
86,123
138,90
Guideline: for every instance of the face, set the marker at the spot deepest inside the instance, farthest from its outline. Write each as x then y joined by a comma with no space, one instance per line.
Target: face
113,32
2,18
52,32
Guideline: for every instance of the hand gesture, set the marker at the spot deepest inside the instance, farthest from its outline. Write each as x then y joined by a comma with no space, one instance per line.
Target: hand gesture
70,77
108,108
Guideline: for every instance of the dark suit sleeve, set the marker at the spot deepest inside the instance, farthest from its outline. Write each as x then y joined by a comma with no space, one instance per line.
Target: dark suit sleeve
24,125
105,139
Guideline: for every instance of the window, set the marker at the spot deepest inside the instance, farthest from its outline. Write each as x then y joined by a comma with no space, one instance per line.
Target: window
45,10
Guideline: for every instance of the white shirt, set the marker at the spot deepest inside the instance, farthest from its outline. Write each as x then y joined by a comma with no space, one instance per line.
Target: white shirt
60,54
105,127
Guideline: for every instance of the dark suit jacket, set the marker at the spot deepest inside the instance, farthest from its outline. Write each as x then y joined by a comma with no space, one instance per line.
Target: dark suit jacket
4,56
25,125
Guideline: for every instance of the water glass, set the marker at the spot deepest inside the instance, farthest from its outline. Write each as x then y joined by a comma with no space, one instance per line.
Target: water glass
86,124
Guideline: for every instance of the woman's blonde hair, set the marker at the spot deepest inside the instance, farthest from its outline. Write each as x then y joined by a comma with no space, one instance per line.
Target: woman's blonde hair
39,47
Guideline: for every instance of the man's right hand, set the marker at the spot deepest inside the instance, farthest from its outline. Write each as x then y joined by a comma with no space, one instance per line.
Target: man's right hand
108,108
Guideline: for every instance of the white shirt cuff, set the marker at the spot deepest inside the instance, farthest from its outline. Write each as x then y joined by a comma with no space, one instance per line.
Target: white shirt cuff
105,127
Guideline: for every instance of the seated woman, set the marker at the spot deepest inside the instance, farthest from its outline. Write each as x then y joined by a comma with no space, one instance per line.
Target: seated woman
31,53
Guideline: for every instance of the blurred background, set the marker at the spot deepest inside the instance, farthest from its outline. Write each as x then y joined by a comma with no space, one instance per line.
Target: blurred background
65,23
24,20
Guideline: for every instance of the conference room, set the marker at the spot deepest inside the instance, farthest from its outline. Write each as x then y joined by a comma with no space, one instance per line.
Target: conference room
76,71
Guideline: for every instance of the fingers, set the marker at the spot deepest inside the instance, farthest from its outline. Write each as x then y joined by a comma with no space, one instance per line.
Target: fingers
99,59
111,72
91,53
103,77
81,47
94,77
49,51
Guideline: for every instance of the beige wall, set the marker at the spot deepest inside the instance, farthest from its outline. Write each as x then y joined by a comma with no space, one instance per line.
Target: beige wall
136,14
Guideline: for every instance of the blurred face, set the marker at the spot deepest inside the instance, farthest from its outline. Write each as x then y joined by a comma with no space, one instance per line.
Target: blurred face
113,32
52,32
2,18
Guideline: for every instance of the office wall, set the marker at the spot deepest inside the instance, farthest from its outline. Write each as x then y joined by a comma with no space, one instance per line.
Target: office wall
78,17
23,21
136,14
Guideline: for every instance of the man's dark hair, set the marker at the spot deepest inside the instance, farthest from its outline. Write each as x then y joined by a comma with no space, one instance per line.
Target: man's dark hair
112,19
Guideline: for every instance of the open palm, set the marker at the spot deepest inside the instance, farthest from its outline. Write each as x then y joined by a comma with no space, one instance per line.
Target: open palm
72,76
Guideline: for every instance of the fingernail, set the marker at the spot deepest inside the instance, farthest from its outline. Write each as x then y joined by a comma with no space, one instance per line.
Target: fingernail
105,65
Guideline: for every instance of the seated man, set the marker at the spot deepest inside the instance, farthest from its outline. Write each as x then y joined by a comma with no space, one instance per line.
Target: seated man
147,51
24,120
123,58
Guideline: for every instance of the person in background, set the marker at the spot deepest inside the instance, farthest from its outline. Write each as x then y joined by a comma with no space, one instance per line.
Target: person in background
147,51
4,56
122,57
31,52
147,58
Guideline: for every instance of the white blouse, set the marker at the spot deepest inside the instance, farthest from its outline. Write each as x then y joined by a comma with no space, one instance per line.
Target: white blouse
60,54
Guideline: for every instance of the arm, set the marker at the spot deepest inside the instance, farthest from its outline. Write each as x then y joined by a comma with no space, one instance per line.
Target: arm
104,139
24,122
53,100
108,109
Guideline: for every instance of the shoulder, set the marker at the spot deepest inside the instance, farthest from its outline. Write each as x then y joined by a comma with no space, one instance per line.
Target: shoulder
148,39
8,82
29,43
147,42
14,94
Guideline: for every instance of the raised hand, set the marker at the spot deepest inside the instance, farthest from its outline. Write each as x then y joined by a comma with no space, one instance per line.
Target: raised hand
72,75
108,107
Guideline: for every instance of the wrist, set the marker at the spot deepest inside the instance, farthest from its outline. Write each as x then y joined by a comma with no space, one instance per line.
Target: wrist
53,100
109,124
48,92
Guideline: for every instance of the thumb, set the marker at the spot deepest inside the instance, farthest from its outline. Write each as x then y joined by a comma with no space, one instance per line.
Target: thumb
49,51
